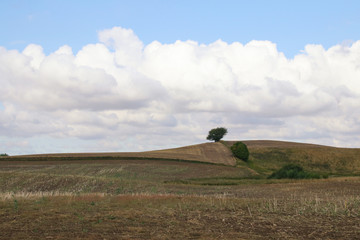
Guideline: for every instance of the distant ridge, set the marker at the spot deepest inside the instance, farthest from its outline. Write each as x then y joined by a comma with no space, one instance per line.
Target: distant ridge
276,144
216,153
266,155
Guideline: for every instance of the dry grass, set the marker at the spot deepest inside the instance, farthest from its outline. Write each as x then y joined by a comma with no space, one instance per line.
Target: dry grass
165,216
35,195
113,177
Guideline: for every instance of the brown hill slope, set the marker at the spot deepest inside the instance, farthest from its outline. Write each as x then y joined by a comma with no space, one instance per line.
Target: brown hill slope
207,152
265,156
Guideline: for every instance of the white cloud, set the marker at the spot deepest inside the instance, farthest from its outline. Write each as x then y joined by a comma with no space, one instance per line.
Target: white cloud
162,95
36,55
127,46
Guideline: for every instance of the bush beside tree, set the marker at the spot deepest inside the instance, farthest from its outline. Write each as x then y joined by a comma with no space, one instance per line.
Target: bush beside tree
240,150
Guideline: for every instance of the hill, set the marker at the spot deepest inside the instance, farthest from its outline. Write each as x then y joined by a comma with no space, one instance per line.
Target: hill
216,153
266,156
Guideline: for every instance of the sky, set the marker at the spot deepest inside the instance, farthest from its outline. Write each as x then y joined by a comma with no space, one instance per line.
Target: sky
96,76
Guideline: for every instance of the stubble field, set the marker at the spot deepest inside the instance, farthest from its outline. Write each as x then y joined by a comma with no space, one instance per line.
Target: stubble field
152,199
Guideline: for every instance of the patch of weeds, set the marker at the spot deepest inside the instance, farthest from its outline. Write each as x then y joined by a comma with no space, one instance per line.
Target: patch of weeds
80,217
272,155
153,189
16,205
251,164
119,190
178,181
293,171
325,166
219,181
118,175
41,201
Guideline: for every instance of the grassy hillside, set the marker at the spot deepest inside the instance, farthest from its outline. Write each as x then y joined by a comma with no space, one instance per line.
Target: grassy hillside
267,156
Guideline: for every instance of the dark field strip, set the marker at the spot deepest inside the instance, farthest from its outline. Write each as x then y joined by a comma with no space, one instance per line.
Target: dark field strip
95,159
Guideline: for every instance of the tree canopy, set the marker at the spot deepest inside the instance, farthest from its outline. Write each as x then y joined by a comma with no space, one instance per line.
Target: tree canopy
216,134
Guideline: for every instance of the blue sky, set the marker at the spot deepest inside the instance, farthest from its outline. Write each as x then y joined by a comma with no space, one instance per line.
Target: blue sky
289,24
89,76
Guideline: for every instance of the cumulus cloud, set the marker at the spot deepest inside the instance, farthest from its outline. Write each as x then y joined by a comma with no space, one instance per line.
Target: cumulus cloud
161,95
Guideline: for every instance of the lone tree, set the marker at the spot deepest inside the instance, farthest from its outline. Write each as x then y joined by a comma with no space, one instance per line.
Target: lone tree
216,134
240,150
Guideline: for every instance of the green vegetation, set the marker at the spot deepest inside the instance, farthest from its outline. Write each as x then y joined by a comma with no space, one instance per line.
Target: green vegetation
322,160
293,171
3,155
240,150
216,134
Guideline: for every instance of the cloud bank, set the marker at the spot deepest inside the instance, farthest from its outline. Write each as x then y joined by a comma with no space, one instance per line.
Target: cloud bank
122,95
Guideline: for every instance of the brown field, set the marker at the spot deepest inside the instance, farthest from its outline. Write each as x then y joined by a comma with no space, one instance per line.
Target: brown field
207,152
265,156
54,197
